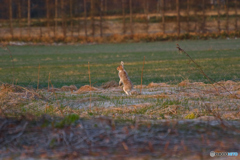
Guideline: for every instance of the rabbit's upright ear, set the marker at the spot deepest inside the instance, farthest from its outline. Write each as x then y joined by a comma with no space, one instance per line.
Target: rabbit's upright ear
122,63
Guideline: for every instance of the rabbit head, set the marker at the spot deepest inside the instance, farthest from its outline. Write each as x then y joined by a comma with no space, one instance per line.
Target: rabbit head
120,68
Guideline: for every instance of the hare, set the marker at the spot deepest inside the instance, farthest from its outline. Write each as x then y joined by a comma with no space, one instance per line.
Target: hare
124,79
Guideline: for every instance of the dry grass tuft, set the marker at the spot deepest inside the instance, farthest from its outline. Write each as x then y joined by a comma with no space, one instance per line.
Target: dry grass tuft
206,118
153,96
231,115
226,83
139,86
184,83
142,105
187,83
14,96
54,89
10,88
110,84
152,84
69,88
86,88
134,92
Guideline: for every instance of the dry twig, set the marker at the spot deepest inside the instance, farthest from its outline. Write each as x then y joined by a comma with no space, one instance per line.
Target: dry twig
90,84
142,75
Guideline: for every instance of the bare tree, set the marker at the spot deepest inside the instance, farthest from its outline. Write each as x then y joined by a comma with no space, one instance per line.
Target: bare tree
123,17
227,17
101,18
78,6
203,22
48,16
218,19
29,17
10,18
146,7
85,17
158,5
105,7
236,15
188,10
71,16
195,3
178,16
20,17
163,15
93,17
55,19
64,27
131,16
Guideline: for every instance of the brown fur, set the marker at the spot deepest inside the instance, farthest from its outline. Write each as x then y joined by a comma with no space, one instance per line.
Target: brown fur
125,80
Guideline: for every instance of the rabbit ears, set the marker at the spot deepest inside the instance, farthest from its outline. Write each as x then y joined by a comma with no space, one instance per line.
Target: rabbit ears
122,63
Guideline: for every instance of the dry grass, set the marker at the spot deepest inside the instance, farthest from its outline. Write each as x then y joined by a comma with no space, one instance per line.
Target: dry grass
69,88
151,124
197,98
109,84
86,88
152,84
119,38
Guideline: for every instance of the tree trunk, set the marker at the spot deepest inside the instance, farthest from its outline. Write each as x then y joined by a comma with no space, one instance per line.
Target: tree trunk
92,17
203,25
64,29
218,20
105,8
146,6
78,19
195,17
20,17
188,10
56,16
10,18
101,18
71,17
227,17
123,17
29,17
47,14
236,15
178,17
131,17
163,15
85,17
158,6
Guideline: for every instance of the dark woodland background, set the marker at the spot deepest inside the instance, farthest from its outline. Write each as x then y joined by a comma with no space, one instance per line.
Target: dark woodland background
101,18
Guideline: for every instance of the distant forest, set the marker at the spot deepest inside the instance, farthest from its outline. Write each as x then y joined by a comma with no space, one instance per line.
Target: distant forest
76,18
38,8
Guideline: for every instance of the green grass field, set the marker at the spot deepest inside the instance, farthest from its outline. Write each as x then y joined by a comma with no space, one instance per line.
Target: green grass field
69,64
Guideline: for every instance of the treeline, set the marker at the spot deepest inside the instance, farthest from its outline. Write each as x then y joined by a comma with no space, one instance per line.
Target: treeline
93,17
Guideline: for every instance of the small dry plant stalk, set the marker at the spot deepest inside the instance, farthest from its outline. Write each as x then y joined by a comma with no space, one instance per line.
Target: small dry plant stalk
142,74
212,82
38,76
202,72
90,84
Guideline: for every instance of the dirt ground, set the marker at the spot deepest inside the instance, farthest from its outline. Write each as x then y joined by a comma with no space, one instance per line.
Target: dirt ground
186,121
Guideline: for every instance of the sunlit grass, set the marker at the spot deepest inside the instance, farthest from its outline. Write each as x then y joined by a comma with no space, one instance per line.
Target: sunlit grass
68,64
